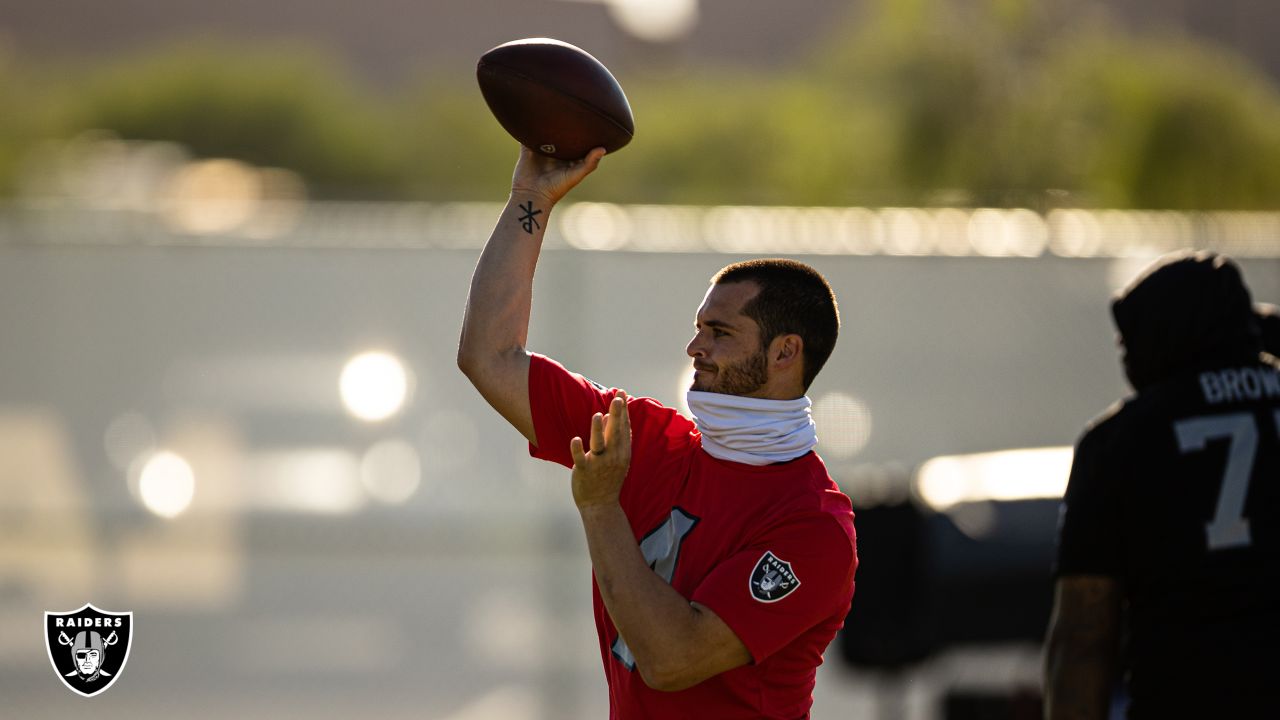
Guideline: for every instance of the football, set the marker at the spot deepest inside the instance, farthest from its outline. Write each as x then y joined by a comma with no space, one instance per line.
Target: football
555,98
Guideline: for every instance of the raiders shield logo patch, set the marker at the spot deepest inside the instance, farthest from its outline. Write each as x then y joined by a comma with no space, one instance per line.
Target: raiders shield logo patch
88,647
772,579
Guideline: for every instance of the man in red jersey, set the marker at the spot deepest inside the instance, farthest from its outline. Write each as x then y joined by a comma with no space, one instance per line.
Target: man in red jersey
723,553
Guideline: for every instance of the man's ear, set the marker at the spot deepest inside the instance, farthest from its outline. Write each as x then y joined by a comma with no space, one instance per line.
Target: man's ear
786,350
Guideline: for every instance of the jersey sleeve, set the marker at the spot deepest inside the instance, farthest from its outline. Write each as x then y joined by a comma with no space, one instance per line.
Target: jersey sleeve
1089,533
562,403
793,578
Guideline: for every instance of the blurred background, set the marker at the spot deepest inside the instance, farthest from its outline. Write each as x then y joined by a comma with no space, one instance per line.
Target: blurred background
236,240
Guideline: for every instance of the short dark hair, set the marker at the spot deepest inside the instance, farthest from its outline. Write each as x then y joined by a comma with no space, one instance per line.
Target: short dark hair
793,298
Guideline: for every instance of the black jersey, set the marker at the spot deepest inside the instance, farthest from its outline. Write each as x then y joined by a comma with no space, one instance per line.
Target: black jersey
1176,494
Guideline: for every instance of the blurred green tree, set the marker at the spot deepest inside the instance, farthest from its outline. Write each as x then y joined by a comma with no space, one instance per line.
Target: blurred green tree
1164,124
451,148
289,107
906,102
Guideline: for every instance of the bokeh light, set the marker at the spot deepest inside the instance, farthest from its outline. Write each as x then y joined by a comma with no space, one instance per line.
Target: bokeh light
596,226
313,480
844,425
655,20
214,196
374,386
166,484
1022,474
391,471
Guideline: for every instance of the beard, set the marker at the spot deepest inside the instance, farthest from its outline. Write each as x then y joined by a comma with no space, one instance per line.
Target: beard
738,378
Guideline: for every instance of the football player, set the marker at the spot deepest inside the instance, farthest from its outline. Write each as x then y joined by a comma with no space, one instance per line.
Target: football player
723,553
1169,529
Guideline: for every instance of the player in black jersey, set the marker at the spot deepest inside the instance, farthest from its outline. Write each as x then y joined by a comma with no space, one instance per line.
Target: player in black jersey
1171,521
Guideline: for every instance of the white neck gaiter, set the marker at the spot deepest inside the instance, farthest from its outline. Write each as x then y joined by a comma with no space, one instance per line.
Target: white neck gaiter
753,431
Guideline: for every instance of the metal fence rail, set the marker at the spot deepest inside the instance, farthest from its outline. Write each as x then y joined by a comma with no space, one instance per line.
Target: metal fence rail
941,232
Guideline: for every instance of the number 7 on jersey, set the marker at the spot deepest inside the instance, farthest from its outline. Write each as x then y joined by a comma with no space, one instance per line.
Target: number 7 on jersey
1229,528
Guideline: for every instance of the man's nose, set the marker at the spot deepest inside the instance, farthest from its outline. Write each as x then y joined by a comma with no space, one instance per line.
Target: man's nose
695,349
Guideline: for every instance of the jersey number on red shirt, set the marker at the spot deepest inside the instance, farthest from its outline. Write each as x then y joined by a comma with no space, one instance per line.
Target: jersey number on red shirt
661,549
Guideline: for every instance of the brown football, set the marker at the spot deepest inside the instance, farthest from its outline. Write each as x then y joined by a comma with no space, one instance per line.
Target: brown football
555,98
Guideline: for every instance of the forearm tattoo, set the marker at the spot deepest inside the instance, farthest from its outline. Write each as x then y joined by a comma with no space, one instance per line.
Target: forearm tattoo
528,221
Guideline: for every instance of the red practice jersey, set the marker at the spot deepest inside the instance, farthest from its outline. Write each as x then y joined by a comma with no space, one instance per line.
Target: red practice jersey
770,549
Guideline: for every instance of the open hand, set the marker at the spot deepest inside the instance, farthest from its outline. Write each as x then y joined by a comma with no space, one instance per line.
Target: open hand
599,472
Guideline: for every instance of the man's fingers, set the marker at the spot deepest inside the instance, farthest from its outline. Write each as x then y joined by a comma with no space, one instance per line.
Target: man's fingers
625,413
613,428
552,178
619,419
597,434
592,160
576,170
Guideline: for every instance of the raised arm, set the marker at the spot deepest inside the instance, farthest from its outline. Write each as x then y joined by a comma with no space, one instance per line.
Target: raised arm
495,328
